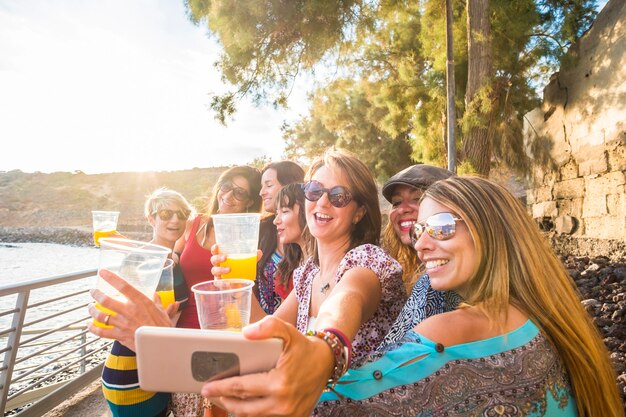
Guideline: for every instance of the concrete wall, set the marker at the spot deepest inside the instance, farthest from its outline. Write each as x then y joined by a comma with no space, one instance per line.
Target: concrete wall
583,118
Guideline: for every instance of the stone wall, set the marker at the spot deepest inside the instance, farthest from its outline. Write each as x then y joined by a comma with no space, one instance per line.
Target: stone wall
580,192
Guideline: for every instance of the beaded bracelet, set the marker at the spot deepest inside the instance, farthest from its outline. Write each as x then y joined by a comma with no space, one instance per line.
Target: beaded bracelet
344,339
340,352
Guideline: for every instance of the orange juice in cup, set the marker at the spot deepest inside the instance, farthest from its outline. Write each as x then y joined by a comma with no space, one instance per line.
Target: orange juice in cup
223,304
99,234
104,224
241,266
165,287
105,311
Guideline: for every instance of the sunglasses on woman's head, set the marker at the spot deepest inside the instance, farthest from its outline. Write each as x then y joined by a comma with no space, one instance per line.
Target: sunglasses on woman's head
440,226
167,214
338,195
239,193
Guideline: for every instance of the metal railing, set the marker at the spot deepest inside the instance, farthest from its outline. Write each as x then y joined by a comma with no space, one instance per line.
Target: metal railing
46,351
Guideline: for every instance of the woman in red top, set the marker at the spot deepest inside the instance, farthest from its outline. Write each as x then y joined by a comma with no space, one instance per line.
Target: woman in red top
236,191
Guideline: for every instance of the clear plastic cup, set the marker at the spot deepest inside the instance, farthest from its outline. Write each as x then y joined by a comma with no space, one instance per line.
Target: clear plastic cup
104,224
138,263
223,304
237,236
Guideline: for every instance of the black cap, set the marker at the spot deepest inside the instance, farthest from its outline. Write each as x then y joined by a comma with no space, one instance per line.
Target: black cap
418,176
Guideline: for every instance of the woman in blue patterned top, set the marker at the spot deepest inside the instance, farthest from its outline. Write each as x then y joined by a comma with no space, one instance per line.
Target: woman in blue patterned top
521,344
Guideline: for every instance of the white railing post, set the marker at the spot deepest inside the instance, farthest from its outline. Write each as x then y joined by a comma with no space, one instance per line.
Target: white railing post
12,343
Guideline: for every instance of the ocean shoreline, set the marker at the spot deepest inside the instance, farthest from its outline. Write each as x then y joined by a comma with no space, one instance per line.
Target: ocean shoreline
61,235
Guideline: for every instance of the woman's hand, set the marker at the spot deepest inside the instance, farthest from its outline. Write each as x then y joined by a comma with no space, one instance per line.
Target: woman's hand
216,259
137,311
291,389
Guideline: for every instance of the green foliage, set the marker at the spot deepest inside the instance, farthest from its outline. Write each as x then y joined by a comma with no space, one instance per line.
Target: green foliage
260,161
344,115
390,61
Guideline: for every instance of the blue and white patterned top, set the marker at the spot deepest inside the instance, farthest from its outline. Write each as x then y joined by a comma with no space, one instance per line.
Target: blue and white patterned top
422,303
516,374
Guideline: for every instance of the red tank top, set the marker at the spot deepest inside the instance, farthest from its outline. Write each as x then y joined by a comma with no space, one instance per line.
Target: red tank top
195,263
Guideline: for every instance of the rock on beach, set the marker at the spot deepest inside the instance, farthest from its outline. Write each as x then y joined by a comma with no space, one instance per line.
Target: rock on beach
602,286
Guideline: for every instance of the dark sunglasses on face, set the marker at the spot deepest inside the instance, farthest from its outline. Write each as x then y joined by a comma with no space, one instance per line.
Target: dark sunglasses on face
239,193
338,196
167,214
440,226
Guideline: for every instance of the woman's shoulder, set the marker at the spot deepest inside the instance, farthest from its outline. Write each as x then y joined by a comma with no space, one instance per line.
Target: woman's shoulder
469,324
370,251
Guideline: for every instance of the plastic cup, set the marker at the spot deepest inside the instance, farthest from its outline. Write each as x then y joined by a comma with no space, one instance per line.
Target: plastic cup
165,287
104,224
237,236
138,263
223,304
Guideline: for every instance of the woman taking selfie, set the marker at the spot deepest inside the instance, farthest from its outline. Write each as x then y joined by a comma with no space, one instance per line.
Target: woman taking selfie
346,270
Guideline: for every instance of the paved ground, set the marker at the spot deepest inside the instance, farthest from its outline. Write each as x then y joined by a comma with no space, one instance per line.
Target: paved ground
87,403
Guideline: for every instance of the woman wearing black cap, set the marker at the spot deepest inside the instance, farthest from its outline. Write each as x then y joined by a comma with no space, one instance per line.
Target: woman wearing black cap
403,191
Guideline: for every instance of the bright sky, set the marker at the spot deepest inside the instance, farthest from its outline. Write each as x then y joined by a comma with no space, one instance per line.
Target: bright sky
118,85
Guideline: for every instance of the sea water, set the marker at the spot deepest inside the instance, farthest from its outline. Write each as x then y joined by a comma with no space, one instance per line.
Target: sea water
27,261
22,262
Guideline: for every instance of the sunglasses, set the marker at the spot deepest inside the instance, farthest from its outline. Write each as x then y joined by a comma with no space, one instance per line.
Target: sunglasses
338,196
167,214
239,193
441,226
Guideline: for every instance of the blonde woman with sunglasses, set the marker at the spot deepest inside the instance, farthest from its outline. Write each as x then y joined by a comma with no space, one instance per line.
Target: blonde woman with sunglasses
520,345
167,212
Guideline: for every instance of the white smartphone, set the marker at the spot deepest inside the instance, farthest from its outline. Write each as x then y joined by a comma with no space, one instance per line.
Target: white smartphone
183,360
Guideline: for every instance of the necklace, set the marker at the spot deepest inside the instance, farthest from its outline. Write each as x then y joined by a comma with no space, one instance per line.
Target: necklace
325,288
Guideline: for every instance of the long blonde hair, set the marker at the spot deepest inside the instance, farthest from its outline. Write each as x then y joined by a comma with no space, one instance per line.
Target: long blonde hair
517,266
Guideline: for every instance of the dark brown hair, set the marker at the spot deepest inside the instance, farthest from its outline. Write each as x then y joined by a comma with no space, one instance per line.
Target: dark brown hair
290,196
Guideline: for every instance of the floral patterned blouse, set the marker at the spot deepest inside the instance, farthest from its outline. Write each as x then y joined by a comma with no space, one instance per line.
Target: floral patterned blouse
393,295
516,374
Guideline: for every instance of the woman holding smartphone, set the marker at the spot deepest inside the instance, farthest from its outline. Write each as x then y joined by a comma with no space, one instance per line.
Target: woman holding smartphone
346,270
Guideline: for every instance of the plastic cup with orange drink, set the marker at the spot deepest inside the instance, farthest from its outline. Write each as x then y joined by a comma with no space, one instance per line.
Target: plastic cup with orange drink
104,224
138,263
237,236
165,287
223,304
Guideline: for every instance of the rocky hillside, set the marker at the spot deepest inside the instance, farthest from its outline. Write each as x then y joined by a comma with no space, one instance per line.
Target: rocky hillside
60,203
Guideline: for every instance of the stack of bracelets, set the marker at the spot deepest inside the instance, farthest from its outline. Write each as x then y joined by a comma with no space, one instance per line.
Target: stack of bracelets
340,346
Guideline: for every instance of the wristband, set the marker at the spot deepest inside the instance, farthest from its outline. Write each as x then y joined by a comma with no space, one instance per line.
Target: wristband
340,352
346,342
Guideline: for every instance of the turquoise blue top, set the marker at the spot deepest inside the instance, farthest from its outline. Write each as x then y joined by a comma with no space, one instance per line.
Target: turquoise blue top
517,373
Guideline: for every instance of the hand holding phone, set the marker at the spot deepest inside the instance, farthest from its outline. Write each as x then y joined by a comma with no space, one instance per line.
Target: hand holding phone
183,360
